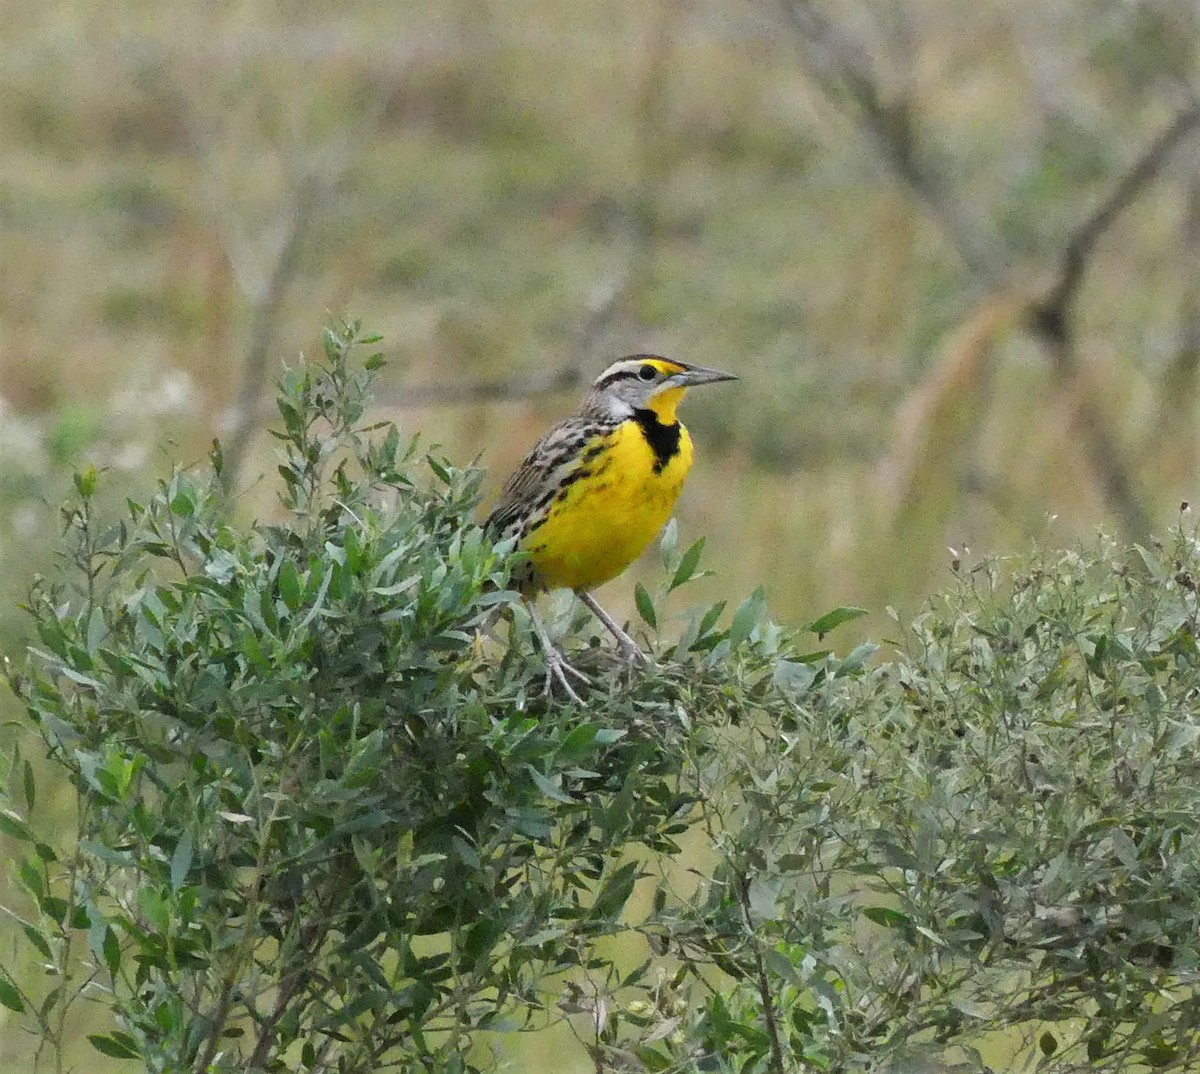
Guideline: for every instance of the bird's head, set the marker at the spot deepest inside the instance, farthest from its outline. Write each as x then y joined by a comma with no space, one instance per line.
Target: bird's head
648,382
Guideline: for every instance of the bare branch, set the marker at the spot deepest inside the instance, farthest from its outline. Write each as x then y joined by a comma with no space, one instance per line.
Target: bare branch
480,391
1052,314
265,257
605,301
1051,321
262,334
843,68
1181,376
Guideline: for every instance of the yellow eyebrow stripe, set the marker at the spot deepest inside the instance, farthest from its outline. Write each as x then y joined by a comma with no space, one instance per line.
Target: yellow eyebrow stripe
664,365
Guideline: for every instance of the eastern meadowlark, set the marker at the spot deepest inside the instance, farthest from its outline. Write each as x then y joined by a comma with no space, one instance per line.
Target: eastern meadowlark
593,492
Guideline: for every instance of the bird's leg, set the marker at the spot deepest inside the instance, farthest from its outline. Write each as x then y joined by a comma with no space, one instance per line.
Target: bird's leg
625,644
557,667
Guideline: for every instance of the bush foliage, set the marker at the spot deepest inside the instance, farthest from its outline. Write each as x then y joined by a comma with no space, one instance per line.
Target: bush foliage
328,822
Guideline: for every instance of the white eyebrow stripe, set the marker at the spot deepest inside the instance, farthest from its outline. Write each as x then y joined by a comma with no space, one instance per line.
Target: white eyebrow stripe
619,371
628,367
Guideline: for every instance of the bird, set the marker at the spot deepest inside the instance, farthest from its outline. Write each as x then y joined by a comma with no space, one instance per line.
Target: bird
594,491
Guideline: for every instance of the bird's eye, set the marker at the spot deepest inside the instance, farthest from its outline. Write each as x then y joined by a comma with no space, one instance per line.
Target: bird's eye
647,372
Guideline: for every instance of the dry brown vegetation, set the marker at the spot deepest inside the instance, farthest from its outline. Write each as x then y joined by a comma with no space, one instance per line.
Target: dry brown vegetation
951,248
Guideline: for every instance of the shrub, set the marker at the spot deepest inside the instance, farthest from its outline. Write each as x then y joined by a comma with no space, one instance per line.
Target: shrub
328,822
322,825
983,851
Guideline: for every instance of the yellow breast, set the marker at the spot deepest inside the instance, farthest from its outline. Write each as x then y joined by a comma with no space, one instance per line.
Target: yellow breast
605,519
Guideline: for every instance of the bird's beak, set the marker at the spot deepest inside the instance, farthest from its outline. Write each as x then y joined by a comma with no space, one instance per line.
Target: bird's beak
697,374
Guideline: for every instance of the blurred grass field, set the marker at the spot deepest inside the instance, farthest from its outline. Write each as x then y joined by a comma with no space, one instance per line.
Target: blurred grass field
185,190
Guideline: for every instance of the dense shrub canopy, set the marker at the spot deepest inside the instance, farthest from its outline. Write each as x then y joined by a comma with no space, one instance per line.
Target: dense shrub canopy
328,822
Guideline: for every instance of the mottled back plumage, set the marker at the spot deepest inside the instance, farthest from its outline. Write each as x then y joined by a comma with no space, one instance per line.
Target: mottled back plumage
546,470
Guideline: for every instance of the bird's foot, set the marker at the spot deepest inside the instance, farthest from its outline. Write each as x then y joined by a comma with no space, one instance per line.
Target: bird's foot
631,654
557,670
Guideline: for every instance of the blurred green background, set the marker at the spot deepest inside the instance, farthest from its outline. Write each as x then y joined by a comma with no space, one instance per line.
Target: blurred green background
951,248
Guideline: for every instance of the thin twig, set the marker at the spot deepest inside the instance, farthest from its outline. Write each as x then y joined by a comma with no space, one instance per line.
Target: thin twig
775,1064
293,982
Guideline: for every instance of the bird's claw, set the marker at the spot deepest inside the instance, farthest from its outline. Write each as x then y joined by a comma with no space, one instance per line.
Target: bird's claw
557,670
632,655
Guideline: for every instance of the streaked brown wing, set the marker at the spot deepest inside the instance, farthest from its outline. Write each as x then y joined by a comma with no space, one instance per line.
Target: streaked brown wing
541,471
